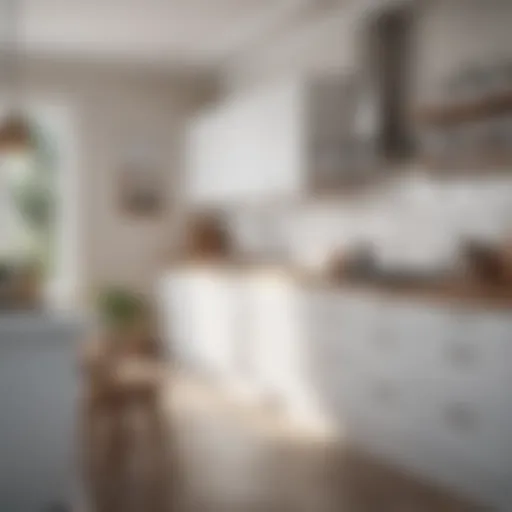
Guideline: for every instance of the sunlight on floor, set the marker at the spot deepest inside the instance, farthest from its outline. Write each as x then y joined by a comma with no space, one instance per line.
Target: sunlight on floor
187,396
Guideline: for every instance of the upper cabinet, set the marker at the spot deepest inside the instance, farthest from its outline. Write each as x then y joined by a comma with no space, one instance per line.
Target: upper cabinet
282,141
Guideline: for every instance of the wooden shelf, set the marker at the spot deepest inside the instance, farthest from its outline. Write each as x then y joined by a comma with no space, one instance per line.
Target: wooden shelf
466,111
484,164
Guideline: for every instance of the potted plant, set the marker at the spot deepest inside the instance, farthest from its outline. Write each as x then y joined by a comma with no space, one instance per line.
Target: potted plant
123,316
123,330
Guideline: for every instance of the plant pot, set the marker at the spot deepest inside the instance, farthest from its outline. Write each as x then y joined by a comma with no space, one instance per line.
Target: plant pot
29,285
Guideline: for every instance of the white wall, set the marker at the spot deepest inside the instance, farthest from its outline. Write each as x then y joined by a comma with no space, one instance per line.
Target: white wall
458,33
323,41
450,33
109,108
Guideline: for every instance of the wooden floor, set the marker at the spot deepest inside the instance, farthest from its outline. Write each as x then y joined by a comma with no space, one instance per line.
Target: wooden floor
201,453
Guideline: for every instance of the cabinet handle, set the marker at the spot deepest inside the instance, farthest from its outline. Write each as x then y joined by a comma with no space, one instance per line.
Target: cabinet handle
461,355
460,417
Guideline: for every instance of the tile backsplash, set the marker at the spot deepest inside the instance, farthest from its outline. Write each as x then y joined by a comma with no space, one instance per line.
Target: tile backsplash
415,221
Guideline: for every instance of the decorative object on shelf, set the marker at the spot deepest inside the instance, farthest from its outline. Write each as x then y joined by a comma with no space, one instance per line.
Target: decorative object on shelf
360,263
470,84
485,262
336,265
472,126
500,75
506,260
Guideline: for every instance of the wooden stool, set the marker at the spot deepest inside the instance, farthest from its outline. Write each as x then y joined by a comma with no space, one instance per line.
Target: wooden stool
117,385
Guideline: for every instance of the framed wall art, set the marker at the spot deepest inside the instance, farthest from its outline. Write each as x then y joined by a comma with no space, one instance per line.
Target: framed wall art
141,190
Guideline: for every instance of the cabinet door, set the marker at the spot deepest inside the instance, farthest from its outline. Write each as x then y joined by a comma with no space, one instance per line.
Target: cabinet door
278,344
176,317
249,147
206,168
272,124
216,305
465,392
201,319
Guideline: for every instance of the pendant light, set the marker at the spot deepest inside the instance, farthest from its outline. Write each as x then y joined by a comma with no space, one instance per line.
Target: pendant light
15,133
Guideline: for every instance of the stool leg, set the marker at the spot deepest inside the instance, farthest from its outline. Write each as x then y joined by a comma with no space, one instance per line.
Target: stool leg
90,446
115,459
161,478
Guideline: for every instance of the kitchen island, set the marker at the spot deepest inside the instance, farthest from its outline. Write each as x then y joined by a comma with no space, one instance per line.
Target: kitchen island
418,377
38,406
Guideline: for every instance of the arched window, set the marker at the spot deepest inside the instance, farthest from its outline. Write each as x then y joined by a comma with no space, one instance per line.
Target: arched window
40,203
28,186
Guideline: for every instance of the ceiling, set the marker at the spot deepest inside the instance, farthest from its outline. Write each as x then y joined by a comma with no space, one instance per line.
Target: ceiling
197,33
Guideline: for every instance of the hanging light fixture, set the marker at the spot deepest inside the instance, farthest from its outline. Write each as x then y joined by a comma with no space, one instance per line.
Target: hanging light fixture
15,133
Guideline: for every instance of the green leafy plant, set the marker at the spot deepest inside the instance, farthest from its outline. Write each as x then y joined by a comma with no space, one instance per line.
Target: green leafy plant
34,195
119,308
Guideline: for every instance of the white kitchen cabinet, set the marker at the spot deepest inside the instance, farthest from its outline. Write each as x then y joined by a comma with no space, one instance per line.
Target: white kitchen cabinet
422,386
419,384
245,329
282,140
176,317
278,344
199,312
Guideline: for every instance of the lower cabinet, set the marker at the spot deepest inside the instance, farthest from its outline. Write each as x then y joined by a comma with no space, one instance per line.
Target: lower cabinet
422,386
278,346
246,330
200,314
